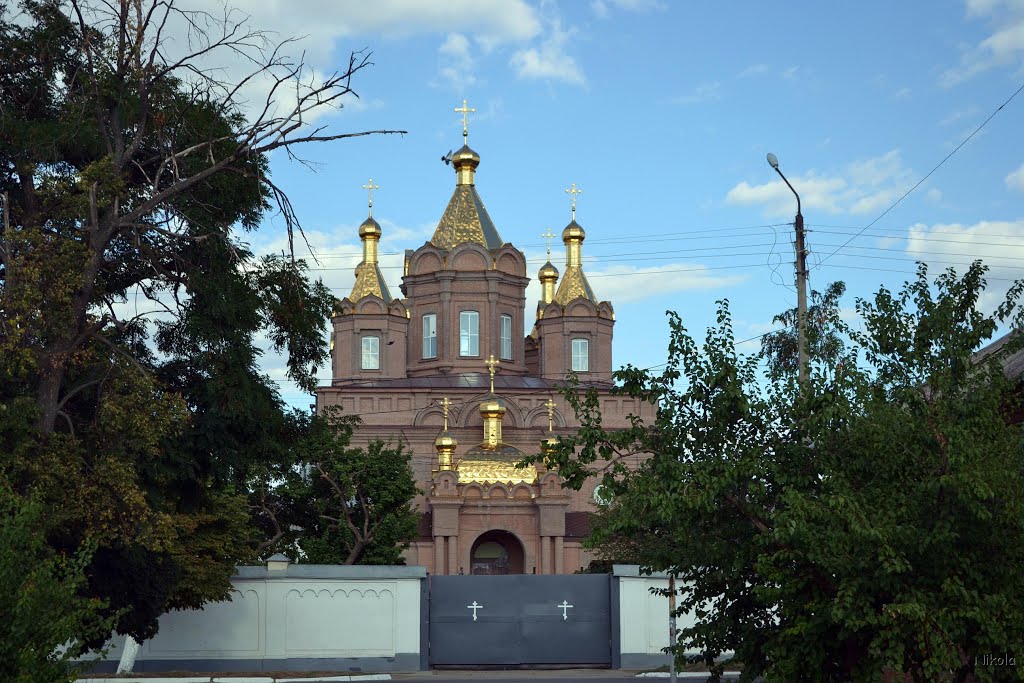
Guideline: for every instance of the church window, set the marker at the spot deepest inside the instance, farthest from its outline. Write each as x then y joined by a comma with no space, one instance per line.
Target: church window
371,353
469,333
430,335
580,355
506,337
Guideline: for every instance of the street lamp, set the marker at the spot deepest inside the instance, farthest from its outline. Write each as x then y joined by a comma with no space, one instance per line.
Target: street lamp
803,372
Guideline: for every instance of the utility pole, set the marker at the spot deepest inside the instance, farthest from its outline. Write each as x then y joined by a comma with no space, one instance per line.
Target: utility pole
672,624
803,359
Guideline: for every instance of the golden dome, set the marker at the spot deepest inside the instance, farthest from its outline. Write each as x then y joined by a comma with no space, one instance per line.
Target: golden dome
573,231
548,272
492,404
465,156
445,440
369,228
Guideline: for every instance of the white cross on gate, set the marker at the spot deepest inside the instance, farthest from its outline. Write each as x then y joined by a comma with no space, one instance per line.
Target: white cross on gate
565,607
474,607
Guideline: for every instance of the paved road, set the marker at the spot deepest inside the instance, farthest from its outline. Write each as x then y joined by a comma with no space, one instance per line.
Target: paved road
569,676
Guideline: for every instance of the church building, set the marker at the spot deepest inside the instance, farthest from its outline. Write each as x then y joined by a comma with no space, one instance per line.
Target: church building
449,370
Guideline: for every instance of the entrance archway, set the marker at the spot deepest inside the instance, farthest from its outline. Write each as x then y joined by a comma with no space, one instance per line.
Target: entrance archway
497,552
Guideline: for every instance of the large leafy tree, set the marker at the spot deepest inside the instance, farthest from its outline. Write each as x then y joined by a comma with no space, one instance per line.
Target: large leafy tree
132,405
874,520
332,503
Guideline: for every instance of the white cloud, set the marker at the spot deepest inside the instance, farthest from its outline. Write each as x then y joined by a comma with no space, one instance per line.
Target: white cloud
754,70
456,63
1003,47
548,60
865,186
1015,180
600,9
622,284
902,94
934,194
998,244
701,93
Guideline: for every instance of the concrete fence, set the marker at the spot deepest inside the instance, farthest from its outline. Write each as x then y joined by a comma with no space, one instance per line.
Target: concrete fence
285,617
296,618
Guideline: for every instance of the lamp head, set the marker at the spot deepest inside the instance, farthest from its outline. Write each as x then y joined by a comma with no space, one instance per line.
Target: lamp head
773,161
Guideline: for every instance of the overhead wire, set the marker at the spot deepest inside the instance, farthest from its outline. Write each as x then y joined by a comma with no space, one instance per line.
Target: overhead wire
926,176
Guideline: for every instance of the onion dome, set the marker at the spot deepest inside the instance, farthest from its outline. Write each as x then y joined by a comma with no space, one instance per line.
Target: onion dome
547,272
574,231
492,405
369,228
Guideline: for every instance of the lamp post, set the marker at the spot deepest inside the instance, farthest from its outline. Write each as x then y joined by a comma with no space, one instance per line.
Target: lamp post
803,372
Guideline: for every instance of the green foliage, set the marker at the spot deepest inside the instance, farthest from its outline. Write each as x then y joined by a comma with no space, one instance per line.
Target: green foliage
130,181
873,521
41,611
331,503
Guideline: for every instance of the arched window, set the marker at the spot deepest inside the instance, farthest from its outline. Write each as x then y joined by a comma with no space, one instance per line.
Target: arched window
469,333
581,355
371,353
506,337
430,335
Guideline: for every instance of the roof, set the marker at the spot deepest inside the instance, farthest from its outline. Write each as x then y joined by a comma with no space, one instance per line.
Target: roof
574,285
370,281
1013,364
462,380
466,220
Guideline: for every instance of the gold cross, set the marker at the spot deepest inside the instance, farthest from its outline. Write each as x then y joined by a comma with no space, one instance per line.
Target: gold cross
444,408
548,235
370,188
492,366
550,405
574,191
465,110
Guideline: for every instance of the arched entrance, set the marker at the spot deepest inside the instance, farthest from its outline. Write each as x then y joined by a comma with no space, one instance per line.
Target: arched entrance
497,552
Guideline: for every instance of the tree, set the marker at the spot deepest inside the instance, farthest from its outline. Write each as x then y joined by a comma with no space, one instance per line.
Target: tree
335,504
874,521
132,406
42,611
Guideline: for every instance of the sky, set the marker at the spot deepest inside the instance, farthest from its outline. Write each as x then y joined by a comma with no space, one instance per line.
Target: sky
663,112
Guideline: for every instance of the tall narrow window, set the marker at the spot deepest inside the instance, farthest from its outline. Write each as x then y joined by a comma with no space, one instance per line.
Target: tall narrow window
469,333
506,337
371,353
580,355
430,335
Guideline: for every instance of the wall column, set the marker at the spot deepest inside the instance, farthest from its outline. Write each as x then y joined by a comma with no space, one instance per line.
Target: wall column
559,555
453,554
439,556
545,561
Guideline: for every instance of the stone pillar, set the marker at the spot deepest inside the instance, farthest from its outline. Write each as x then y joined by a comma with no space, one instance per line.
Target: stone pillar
453,554
439,556
545,560
559,555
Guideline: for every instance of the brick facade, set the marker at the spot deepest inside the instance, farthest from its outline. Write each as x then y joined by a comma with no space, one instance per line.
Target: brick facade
465,268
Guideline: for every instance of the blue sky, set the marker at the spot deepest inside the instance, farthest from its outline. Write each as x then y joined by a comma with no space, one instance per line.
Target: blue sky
662,112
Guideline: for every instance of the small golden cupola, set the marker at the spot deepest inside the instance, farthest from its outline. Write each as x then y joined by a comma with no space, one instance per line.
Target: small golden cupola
369,279
574,283
465,219
445,443
493,461
548,275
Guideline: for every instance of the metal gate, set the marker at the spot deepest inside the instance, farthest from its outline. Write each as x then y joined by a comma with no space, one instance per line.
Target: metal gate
520,620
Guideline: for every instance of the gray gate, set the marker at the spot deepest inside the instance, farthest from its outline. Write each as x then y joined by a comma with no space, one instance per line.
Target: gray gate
520,620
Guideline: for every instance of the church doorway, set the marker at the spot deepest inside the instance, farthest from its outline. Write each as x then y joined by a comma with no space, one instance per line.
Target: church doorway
497,552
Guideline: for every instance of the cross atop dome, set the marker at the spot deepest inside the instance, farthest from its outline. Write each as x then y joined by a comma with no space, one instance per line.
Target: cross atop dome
573,191
465,111
370,187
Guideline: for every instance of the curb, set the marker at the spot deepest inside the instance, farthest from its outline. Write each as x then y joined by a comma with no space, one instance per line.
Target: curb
238,679
683,674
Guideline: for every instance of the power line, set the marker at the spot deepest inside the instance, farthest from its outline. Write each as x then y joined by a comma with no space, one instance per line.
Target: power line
927,175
